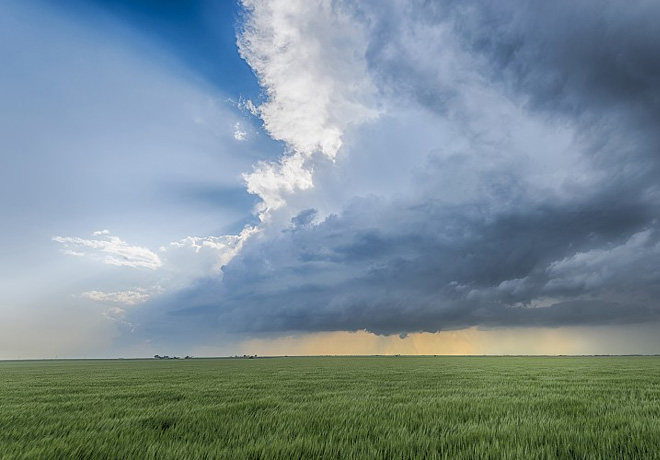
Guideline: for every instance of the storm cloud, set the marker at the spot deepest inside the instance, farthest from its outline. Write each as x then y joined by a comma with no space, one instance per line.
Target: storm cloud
531,195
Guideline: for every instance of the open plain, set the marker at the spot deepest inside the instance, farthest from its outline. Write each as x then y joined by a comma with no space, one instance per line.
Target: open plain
332,407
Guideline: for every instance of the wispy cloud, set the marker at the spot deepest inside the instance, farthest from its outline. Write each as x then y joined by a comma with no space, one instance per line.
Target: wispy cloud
202,256
110,250
239,133
130,297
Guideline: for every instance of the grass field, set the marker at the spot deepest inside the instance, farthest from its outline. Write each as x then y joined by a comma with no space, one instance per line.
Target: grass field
371,407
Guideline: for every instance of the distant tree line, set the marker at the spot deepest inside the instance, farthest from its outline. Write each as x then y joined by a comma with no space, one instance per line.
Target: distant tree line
171,357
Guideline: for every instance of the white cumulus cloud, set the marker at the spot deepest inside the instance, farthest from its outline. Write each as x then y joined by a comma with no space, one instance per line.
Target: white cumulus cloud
273,181
315,91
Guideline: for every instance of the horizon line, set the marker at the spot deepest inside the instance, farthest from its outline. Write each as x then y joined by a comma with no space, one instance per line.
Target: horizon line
177,358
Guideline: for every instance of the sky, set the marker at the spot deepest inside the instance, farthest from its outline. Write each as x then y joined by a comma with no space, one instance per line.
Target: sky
282,177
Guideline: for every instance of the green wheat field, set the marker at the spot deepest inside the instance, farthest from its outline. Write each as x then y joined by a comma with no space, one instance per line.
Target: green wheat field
332,407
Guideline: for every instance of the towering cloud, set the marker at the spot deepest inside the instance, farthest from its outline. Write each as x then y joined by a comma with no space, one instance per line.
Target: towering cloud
493,164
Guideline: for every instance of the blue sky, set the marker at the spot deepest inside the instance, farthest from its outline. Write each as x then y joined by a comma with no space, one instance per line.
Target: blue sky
210,178
115,116
198,34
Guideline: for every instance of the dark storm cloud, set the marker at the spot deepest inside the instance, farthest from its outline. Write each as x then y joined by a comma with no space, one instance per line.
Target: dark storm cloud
440,268
304,218
569,56
595,63
506,256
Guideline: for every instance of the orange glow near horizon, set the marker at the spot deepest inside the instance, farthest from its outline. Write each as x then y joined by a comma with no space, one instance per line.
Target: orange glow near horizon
471,341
